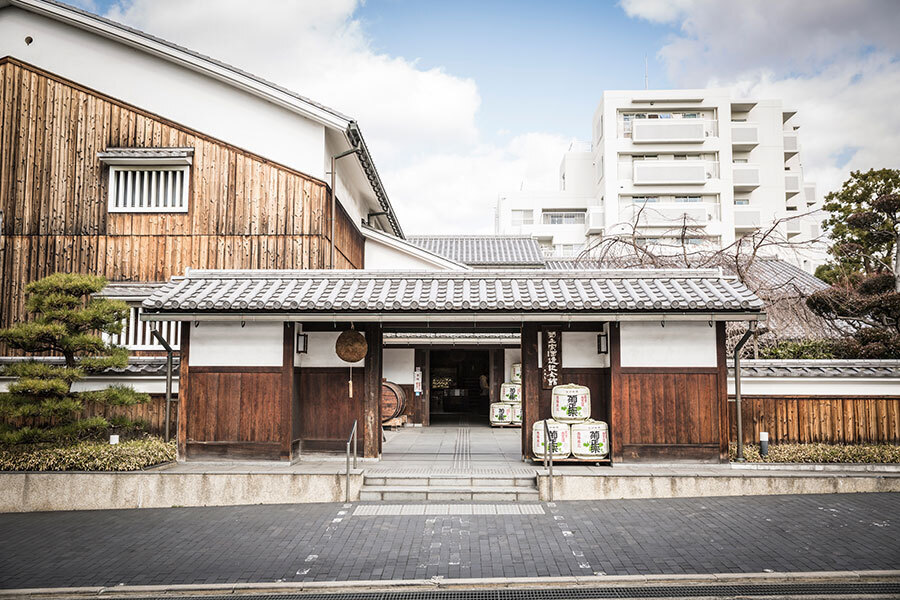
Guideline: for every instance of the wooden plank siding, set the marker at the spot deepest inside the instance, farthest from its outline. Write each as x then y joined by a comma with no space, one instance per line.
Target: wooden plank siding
667,413
244,211
827,419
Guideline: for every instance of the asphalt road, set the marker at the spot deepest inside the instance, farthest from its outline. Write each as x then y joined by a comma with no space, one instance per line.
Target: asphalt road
327,542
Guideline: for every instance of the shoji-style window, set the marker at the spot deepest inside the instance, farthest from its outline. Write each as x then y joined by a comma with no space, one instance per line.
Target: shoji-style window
136,334
148,180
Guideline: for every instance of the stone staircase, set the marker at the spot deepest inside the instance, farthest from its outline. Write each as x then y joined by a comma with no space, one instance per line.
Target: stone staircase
505,487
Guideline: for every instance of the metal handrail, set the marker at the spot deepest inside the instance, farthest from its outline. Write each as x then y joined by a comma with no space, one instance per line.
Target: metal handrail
548,459
351,438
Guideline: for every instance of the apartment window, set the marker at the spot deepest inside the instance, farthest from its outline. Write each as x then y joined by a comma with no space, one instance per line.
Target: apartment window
742,201
740,161
522,217
691,115
694,241
567,249
680,156
136,334
648,241
791,208
645,157
563,218
644,199
688,199
148,180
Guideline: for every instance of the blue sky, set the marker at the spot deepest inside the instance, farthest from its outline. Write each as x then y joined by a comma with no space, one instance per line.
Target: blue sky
539,65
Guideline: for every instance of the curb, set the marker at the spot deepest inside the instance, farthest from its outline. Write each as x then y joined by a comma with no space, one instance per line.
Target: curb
450,584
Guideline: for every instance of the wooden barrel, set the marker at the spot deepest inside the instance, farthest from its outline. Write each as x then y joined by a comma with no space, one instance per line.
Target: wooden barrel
393,399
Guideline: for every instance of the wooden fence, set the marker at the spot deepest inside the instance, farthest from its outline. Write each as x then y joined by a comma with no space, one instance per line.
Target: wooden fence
829,419
153,413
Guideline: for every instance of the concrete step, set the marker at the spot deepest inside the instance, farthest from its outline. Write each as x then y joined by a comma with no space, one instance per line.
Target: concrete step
448,493
442,481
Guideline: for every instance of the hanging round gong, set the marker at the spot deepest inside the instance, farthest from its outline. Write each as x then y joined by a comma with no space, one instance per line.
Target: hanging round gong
351,346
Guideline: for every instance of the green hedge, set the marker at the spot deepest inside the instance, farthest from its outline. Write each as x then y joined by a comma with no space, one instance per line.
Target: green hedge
822,453
87,456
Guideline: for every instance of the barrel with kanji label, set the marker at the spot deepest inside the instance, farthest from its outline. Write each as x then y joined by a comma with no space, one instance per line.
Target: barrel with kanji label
590,440
559,442
501,413
516,412
510,392
570,403
515,373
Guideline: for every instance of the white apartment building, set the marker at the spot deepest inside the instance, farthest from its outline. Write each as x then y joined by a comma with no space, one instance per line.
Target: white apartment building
697,165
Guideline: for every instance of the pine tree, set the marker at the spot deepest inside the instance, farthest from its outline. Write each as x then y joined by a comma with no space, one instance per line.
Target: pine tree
69,321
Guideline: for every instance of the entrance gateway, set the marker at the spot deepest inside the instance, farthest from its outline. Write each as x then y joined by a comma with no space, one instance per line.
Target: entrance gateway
260,377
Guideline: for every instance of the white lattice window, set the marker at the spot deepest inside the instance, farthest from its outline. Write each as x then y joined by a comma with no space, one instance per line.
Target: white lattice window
136,334
148,180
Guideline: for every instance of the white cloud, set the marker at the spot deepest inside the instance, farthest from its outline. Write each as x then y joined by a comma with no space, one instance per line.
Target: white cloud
419,123
836,62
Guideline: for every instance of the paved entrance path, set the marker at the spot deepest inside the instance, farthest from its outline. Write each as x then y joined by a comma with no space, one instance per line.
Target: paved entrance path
323,542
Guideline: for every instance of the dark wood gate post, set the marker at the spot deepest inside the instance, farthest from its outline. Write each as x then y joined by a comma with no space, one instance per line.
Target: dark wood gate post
370,426
531,384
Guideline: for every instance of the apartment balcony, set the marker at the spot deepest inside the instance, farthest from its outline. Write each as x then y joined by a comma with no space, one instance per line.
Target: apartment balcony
744,136
672,131
595,222
670,214
792,183
794,227
673,172
791,144
809,193
746,219
745,176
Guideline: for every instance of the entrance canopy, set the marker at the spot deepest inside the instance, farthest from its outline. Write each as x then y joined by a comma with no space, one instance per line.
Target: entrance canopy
526,295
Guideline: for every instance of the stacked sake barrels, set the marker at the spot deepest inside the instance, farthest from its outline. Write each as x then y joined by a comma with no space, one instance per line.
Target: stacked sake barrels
508,411
572,431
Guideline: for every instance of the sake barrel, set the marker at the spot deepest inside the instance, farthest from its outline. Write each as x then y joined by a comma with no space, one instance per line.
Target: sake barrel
393,399
501,413
516,412
570,403
510,392
515,373
560,445
590,439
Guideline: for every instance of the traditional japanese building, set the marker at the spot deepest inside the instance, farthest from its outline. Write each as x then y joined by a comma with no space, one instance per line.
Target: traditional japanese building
260,376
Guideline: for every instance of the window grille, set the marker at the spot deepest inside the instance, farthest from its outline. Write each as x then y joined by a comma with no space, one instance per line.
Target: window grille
152,188
136,334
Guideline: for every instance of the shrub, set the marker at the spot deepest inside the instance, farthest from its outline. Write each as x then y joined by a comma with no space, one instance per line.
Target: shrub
817,349
88,456
821,453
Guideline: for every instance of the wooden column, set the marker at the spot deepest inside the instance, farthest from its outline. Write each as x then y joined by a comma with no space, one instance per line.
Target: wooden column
370,426
531,384
617,416
722,369
285,410
422,361
183,383
497,373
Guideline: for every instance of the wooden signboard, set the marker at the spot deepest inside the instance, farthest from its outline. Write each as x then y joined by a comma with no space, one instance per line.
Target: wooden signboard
551,357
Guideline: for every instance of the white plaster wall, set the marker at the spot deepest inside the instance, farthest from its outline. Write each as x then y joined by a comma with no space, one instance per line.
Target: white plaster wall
321,352
678,344
166,89
230,345
382,257
510,357
579,350
399,365
817,386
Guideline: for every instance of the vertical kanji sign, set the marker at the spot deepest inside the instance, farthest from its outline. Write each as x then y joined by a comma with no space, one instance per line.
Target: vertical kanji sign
551,348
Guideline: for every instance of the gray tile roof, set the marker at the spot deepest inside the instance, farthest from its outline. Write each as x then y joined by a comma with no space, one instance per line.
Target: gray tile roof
130,291
482,291
818,368
493,250
137,365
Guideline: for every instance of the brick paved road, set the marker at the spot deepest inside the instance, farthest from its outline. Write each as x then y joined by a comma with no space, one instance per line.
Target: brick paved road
326,542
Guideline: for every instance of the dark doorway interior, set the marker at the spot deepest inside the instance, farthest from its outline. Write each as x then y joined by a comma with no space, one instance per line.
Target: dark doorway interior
460,387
